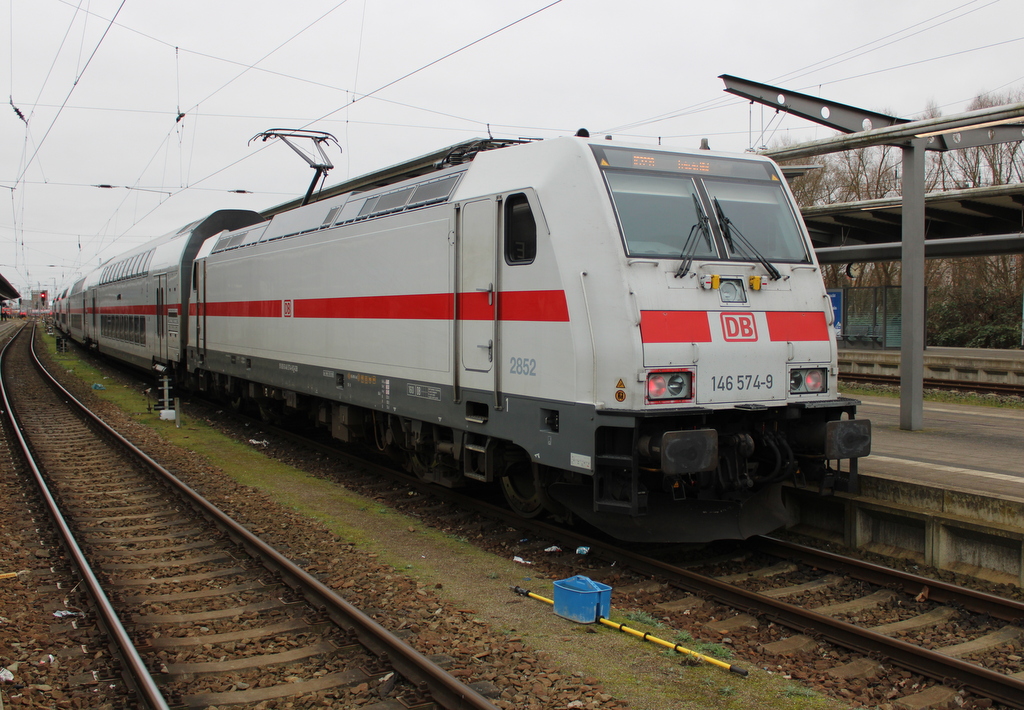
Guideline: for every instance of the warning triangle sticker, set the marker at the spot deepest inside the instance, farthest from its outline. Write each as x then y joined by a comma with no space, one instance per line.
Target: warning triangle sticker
621,385
604,164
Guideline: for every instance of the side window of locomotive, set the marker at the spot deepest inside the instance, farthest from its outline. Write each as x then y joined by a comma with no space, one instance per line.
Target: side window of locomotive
520,231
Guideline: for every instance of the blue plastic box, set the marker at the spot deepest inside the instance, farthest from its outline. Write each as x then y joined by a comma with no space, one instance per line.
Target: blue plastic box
582,600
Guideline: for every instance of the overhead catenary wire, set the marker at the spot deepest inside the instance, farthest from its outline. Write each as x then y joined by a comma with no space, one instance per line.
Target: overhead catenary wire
441,59
359,98
296,119
185,183
180,115
724,101
17,110
175,126
925,61
355,86
78,78
347,101
822,64
270,53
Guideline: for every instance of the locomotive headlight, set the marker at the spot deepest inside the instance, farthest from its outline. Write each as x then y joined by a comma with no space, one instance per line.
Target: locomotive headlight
731,291
669,386
808,380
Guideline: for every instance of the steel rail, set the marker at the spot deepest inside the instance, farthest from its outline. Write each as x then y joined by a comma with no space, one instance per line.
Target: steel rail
945,669
137,676
1002,608
443,687
937,666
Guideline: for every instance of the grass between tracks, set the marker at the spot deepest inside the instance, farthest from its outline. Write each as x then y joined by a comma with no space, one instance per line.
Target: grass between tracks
649,677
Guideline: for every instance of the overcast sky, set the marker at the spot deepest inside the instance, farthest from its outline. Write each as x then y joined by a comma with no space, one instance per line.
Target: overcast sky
96,86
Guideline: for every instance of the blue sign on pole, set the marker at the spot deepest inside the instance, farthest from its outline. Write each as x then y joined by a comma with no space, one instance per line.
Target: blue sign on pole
836,297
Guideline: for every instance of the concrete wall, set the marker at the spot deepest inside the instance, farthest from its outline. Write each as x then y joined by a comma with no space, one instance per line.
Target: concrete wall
949,530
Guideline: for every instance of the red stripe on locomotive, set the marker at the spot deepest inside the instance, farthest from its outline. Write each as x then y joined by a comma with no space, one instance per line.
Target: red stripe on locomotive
243,309
430,306
674,327
692,326
797,326
533,306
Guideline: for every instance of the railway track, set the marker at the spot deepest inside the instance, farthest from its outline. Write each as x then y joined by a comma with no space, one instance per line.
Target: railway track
864,631
959,638
883,621
932,383
201,611
790,601
782,607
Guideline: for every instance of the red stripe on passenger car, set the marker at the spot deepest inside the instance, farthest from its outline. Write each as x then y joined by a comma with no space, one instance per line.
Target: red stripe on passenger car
125,310
796,326
674,327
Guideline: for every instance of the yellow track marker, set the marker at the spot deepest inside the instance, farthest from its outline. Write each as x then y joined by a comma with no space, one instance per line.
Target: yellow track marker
645,636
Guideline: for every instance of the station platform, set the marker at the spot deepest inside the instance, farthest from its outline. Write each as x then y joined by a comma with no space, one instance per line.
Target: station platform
949,496
973,449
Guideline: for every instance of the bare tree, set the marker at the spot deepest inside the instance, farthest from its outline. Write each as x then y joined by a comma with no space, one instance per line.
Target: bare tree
1000,164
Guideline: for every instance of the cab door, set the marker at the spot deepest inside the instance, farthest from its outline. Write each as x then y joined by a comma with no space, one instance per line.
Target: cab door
477,294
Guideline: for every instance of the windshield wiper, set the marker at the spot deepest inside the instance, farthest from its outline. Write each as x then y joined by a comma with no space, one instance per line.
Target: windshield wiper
693,238
729,229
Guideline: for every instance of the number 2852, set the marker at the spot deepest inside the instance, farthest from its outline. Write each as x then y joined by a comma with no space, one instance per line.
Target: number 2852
522,366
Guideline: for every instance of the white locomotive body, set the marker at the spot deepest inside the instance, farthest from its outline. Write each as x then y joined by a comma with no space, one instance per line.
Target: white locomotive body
633,336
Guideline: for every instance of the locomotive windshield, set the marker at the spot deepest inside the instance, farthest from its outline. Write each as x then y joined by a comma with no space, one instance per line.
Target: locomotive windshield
655,195
657,214
761,213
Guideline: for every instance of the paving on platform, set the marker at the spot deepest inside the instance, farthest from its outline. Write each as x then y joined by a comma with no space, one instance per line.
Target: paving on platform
967,448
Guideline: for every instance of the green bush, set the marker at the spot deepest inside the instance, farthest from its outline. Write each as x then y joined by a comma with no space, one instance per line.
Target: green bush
974,320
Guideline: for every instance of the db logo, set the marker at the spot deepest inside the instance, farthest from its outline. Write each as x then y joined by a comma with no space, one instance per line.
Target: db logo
739,326
286,309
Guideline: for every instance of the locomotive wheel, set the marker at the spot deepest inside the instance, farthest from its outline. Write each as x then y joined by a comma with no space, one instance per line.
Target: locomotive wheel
523,490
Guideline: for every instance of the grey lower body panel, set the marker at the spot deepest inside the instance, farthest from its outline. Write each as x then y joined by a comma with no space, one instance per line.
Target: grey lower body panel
554,433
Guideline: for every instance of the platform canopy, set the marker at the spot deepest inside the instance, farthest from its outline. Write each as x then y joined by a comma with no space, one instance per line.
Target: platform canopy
907,218
6,290
977,221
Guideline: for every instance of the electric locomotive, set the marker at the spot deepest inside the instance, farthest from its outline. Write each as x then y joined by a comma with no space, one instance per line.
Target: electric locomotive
629,335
